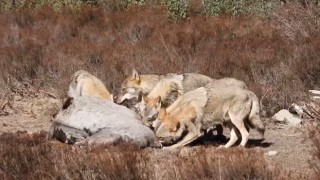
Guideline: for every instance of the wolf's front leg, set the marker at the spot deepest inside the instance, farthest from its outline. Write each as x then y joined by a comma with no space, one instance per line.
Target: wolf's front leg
193,134
186,140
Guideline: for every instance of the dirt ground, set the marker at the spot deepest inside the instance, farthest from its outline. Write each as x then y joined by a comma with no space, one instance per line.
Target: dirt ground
293,147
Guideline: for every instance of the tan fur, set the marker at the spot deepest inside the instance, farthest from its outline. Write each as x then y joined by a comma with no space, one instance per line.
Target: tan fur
224,82
207,106
165,89
155,102
168,90
136,84
85,84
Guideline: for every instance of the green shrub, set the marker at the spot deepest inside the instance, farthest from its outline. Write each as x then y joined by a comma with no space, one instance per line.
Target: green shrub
240,7
177,8
128,3
54,4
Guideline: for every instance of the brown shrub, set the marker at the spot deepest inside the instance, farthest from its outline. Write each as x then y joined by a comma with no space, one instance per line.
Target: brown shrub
21,159
25,156
43,48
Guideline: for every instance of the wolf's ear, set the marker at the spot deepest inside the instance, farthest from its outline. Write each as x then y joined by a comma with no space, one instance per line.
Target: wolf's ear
176,127
111,97
162,114
67,102
140,98
158,101
144,99
135,75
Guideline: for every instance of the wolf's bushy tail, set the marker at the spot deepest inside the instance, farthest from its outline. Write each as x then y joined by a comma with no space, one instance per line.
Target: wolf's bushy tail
254,116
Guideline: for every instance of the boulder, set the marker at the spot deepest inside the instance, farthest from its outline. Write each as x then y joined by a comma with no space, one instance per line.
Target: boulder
95,121
285,116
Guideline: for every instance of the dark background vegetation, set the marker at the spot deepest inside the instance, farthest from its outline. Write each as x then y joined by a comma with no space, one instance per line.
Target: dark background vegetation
274,46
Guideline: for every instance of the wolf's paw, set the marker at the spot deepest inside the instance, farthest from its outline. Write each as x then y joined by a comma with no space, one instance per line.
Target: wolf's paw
222,147
80,143
169,148
157,145
242,147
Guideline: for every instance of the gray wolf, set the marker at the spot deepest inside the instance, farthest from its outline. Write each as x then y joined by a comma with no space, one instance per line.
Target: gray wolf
84,83
205,107
137,84
161,96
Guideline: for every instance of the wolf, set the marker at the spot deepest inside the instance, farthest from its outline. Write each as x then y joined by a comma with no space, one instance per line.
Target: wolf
137,84
163,94
205,107
160,96
84,83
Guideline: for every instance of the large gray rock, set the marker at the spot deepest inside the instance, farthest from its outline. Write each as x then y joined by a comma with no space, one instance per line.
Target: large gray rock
95,121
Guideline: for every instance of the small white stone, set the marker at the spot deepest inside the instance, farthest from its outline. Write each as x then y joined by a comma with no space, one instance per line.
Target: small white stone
272,153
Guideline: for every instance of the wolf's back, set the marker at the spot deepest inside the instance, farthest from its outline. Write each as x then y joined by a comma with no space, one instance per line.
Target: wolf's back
85,84
94,87
193,81
227,82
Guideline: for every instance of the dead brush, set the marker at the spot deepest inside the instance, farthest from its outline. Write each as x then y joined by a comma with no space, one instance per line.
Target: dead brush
29,156
33,158
207,163
296,20
107,43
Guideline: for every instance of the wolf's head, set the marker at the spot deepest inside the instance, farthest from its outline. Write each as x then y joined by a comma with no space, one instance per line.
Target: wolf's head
130,88
149,109
170,129
79,72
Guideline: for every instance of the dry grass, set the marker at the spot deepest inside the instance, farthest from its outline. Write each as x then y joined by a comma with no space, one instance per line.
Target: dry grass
42,48
24,156
33,158
314,135
277,57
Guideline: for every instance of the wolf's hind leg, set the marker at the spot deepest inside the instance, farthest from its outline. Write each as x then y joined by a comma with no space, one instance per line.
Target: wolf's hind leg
233,138
238,121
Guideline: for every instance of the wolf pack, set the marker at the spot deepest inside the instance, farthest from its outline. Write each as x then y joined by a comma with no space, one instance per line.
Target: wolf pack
173,109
